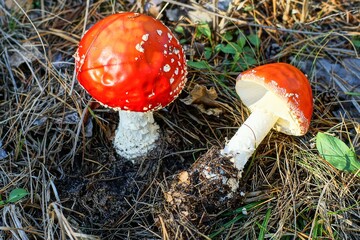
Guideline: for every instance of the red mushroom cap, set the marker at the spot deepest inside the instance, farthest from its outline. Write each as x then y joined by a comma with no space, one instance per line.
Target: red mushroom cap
288,84
131,61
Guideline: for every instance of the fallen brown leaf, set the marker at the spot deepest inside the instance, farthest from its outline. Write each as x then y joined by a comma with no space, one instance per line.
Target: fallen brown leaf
205,100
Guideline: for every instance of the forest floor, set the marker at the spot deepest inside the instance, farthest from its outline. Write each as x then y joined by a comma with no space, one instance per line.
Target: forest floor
60,177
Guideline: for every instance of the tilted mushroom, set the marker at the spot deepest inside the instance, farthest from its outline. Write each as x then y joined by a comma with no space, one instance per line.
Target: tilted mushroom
132,63
279,96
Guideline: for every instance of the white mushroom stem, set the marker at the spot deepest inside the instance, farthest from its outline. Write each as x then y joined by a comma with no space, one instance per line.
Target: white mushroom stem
243,144
136,134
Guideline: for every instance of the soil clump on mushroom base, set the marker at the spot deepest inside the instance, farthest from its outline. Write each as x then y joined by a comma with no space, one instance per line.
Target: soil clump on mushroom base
212,183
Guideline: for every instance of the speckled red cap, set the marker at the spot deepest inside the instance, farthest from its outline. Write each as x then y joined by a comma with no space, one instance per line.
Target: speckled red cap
130,61
288,84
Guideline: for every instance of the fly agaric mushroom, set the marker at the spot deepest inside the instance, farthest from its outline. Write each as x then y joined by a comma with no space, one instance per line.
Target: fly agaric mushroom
132,63
279,96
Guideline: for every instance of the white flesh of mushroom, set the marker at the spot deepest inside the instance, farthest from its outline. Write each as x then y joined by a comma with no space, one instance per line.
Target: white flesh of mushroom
265,114
136,134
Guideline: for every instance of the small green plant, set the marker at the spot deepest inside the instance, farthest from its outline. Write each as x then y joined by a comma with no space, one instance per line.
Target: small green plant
239,214
337,153
14,196
264,225
242,50
203,30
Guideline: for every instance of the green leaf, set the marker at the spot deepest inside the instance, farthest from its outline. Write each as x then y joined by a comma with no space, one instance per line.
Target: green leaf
180,29
241,41
250,60
182,41
263,226
208,52
228,48
204,29
231,48
198,65
248,8
228,36
337,153
356,41
17,194
254,40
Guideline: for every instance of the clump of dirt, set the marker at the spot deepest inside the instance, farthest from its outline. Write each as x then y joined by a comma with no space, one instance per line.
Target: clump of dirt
211,184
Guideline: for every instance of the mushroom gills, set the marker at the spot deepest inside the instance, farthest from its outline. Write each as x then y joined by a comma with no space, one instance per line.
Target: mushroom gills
257,96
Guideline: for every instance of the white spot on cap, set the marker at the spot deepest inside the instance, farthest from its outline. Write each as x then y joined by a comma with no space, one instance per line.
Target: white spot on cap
139,47
165,46
165,52
172,80
76,56
176,51
172,60
145,108
167,68
145,37
151,94
170,36
176,71
159,32
127,101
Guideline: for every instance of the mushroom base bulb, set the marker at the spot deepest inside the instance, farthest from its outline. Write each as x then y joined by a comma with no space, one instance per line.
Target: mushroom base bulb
136,134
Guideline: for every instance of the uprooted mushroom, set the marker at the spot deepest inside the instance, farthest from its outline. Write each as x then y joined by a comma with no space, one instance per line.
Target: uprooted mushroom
279,97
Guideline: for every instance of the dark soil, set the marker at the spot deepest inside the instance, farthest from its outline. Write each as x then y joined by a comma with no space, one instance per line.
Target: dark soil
101,194
103,188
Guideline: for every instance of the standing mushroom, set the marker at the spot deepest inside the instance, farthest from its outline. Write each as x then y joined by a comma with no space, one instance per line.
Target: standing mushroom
132,63
279,96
